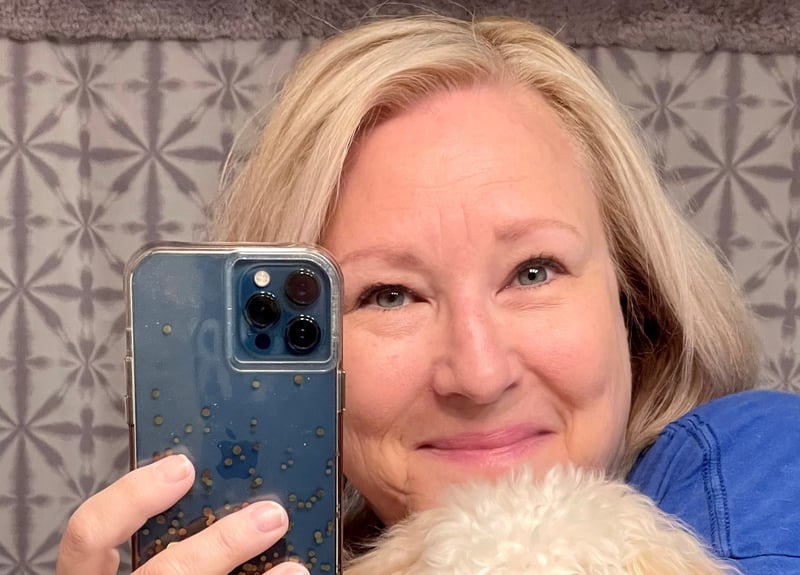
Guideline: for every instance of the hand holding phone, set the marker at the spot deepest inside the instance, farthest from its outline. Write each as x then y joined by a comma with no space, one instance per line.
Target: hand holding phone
109,518
235,361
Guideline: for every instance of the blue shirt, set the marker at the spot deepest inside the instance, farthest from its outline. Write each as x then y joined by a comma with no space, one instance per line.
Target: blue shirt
730,469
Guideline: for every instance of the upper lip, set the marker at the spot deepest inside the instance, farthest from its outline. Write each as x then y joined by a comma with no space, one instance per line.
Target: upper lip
494,439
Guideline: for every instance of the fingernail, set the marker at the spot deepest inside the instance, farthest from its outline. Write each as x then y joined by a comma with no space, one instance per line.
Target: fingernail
289,568
173,468
297,569
268,516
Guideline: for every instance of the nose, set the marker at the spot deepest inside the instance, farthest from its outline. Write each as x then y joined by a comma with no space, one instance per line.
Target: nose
477,359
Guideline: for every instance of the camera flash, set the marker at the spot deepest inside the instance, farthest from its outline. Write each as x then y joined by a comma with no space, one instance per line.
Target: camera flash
261,278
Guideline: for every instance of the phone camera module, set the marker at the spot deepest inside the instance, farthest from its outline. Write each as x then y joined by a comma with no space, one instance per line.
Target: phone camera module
262,310
302,287
302,334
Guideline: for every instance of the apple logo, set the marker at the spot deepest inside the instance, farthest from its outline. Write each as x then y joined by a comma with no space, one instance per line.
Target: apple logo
238,458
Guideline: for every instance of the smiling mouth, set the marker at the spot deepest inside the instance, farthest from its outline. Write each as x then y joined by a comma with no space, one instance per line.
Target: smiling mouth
492,448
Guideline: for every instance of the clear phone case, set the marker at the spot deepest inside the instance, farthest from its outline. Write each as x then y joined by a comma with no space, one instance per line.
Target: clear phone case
235,360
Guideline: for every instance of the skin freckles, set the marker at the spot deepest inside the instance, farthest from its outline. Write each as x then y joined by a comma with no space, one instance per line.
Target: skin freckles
482,322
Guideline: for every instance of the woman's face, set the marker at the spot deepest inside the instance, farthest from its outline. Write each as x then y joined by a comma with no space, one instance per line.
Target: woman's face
482,324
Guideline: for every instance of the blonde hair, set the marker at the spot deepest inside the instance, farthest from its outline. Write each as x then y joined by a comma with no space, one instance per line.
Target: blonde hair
691,337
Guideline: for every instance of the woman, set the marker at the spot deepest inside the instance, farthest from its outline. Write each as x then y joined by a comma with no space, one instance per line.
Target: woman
518,290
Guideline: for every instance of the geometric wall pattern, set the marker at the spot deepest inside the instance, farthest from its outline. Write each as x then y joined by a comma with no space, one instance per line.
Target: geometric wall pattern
107,145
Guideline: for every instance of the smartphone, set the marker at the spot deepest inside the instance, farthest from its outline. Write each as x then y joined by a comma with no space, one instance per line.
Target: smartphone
234,359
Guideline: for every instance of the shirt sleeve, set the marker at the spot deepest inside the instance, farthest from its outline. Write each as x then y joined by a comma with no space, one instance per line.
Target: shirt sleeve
730,470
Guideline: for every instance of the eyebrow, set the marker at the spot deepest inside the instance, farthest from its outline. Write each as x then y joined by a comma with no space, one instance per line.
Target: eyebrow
393,256
521,228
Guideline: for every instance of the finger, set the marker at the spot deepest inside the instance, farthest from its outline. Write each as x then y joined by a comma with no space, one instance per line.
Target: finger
227,543
288,568
109,518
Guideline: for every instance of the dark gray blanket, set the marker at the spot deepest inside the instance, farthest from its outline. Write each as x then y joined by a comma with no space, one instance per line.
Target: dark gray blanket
696,25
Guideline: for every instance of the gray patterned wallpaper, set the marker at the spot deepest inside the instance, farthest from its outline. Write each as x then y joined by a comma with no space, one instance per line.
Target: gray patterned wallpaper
105,146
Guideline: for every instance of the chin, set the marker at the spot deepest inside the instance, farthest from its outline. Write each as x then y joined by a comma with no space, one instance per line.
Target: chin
572,521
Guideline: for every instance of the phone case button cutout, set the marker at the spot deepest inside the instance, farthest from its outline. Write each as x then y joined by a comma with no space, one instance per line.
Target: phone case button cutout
128,366
341,377
129,410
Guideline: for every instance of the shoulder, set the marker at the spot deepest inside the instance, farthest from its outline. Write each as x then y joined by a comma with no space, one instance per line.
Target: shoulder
761,407
729,433
745,424
730,469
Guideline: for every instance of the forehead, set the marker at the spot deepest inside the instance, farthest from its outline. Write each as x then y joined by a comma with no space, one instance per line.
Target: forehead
499,152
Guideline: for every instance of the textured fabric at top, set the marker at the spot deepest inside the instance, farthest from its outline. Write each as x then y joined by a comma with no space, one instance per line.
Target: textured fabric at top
105,146
765,26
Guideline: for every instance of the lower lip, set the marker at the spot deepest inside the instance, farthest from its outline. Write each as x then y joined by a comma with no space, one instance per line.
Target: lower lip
494,456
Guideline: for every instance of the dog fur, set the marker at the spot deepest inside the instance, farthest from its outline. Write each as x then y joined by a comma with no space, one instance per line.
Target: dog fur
572,523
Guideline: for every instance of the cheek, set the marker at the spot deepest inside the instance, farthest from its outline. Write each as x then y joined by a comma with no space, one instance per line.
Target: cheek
587,344
585,363
589,355
386,378
378,378
383,383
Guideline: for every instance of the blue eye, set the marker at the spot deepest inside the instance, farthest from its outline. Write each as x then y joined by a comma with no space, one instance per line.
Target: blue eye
385,296
532,274
390,297
537,271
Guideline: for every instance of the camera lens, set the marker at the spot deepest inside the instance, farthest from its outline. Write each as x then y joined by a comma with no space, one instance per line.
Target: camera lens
262,310
302,334
302,287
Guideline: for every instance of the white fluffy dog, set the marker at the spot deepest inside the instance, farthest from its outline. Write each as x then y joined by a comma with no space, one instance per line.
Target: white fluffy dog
572,523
